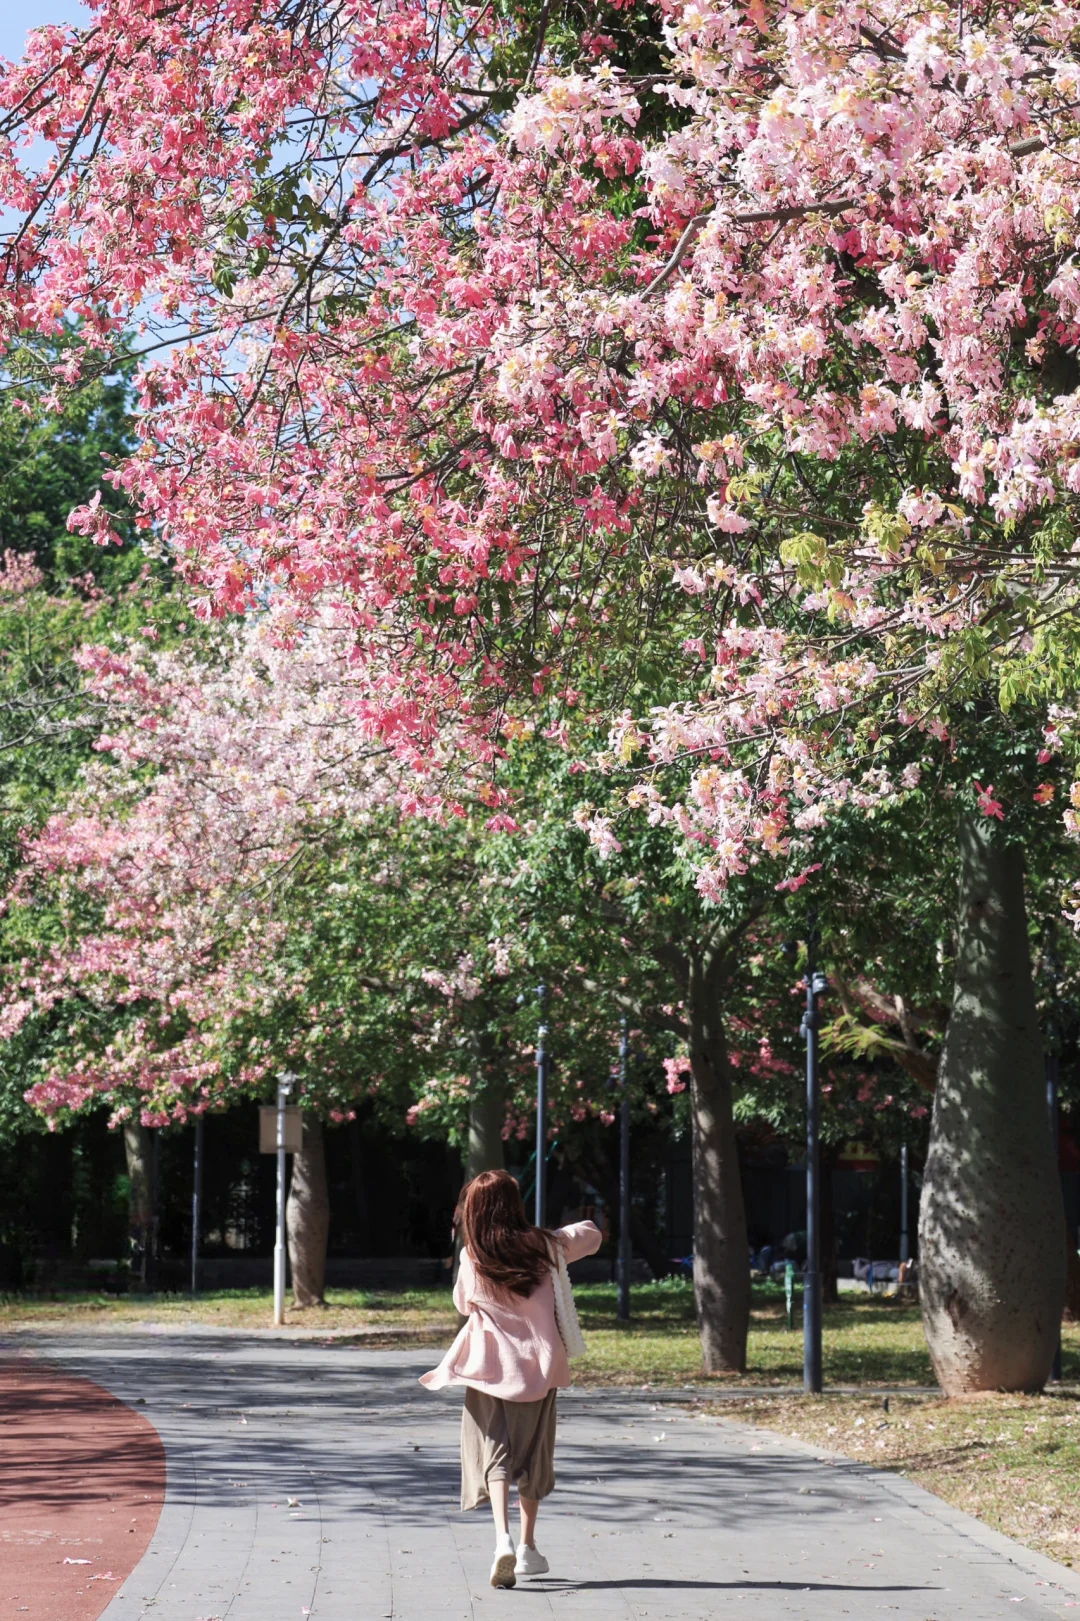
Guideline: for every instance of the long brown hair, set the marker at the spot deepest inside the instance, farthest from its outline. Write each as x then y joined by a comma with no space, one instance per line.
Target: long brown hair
509,1253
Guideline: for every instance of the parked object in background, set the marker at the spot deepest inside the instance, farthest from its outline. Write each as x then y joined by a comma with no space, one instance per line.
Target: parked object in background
793,1246
877,1275
907,1281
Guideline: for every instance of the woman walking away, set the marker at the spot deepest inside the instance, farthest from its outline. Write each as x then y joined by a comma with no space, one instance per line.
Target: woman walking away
511,1358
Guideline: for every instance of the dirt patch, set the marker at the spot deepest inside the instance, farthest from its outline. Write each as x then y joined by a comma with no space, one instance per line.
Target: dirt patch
1011,1461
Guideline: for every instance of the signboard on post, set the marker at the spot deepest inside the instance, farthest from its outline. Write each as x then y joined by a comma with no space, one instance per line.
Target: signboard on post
294,1129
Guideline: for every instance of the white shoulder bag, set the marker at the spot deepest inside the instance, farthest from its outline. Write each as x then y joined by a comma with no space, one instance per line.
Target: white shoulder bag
565,1311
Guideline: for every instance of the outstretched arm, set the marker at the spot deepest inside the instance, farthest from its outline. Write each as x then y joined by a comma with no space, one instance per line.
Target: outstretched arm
580,1238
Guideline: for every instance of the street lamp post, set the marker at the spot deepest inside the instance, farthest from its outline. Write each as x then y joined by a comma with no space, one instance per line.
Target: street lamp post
286,1081
541,1112
153,1247
1052,1112
196,1203
905,1236
815,983
625,1250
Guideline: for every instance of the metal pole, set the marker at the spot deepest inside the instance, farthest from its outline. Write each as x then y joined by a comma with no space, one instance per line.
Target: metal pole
625,1250
905,1240
1052,1112
196,1204
155,1194
284,1088
812,1276
541,1112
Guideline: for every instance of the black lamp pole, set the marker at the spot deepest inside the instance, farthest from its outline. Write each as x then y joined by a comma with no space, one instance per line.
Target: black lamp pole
815,983
624,1180
905,1183
196,1202
1052,1111
1052,970
541,1112
155,1213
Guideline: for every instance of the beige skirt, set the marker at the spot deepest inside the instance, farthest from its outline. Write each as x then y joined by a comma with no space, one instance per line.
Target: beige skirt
506,1440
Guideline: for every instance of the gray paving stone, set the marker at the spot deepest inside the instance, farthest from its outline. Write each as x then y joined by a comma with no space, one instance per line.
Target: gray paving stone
660,1515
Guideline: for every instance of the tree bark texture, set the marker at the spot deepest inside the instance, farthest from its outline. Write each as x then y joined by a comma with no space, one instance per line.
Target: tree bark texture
487,1116
992,1271
307,1217
138,1152
721,1252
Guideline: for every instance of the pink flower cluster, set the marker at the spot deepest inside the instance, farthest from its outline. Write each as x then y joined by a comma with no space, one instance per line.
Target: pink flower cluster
846,229
215,777
675,1071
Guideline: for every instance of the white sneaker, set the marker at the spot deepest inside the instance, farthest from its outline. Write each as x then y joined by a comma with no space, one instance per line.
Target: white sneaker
530,1562
502,1570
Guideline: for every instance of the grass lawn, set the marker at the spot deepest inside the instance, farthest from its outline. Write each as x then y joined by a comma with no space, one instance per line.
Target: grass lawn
1013,1461
865,1341
868,1341
404,1316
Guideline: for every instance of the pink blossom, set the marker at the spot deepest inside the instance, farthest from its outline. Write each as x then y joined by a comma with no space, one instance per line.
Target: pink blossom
988,805
792,884
675,1069
810,217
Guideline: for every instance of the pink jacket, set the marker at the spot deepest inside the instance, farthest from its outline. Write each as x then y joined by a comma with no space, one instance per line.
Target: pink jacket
513,1350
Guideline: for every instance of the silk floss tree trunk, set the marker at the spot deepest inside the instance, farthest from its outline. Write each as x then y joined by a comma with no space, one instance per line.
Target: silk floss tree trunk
307,1217
721,1252
992,1266
485,1150
138,1153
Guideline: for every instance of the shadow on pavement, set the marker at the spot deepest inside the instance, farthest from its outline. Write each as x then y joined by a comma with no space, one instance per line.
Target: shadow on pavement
230,1397
762,1587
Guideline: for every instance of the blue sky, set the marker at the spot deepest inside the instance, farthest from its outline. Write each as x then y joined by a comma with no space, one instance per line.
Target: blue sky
17,17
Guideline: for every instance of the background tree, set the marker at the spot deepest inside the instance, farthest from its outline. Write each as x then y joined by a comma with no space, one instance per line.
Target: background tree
58,590
991,1272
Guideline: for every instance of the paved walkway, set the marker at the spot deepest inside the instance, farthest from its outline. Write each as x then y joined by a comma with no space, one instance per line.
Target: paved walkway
316,1481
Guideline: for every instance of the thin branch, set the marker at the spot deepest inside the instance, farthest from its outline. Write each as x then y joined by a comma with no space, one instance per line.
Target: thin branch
758,217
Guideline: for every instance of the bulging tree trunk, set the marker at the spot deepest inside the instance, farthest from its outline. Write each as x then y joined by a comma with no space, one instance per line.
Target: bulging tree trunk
307,1217
721,1254
487,1116
992,1272
138,1152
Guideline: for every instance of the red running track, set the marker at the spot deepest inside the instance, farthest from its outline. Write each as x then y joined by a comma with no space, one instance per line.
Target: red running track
82,1479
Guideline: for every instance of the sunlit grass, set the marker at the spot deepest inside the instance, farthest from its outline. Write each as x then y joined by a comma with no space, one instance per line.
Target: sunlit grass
418,1311
868,1341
